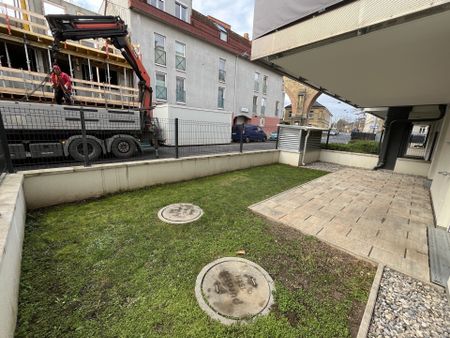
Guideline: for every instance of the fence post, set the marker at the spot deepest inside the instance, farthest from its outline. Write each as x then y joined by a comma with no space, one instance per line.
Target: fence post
176,138
328,136
278,137
241,139
4,142
84,138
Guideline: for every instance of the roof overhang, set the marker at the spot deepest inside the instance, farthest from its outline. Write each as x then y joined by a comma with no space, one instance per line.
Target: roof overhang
370,53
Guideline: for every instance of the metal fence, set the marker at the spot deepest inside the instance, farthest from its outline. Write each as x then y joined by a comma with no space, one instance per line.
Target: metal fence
58,136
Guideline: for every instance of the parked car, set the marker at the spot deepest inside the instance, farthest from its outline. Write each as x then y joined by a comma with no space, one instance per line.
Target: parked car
334,132
251,133
273,136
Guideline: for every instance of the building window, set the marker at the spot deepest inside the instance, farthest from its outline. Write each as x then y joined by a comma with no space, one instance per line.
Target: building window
161,87
181,11
160,52
311,114
263,106
223,34
222,72
221,98
157,3
255,104
264,88
181,90
256,87
180,56
277,108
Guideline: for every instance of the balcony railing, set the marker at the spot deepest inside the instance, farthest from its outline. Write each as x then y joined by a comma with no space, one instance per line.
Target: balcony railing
181,96
220,102
160,56
222,74
161,92
180,62
22,83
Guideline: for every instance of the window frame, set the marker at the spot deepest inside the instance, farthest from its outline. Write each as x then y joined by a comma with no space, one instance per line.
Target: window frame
156,85
222,71
163,49
256,78
183,56
263,106
223,97
265,84
156,4
184,89
182,5
255,104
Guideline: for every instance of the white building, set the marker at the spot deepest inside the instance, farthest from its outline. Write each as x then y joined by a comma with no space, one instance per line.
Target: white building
199,62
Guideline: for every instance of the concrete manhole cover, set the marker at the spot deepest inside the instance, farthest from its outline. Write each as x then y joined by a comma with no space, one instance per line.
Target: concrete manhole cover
180,213
234,289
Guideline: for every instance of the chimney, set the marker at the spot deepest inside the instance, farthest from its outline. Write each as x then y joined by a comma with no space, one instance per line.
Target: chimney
246,36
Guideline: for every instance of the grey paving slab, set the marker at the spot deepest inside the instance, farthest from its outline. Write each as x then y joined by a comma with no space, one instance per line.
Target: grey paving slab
439,255
377,215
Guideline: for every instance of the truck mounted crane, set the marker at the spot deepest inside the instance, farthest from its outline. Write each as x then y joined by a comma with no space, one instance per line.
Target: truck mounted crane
42,130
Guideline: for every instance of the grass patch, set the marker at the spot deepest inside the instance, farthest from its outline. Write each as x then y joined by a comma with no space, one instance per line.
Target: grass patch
110,268
356,146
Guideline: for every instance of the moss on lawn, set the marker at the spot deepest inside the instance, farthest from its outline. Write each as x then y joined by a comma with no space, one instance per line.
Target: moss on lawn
110,268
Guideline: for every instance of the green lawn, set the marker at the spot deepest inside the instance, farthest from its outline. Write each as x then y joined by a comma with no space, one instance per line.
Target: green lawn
110,268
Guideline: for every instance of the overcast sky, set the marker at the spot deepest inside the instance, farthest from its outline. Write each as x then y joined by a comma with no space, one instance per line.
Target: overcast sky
239,14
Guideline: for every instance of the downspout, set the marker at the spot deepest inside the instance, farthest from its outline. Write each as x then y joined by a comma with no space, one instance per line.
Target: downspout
442,108
304,147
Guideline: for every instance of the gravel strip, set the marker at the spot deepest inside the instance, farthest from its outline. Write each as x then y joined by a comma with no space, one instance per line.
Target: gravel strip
324,166
409,308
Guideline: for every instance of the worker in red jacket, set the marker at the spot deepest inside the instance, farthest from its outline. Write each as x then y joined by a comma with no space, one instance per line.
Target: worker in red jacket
62,84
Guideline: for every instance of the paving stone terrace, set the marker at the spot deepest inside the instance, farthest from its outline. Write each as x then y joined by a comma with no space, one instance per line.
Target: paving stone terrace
377,215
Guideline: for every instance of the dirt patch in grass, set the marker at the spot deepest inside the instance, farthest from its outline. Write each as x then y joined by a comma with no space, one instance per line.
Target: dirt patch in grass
111,268
294,251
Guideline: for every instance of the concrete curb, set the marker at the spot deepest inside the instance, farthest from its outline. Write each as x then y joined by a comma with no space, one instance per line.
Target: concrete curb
370,306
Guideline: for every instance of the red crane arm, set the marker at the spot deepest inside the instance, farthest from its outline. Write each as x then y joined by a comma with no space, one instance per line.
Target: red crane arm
74,27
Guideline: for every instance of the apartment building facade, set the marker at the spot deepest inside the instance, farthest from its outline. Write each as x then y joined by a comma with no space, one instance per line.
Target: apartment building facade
375,55
101,75
198,62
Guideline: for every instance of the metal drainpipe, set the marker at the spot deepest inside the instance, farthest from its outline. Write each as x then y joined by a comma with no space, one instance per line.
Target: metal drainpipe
441,115
304,147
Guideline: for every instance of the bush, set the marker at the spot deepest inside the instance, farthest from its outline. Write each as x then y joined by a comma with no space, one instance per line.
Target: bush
355,146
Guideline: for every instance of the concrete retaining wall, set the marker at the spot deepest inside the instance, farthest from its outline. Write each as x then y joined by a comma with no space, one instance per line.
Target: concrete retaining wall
291,158
366,161
411,166
12,223
79,183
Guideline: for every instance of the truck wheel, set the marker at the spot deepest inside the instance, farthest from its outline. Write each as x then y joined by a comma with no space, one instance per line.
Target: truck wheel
123,147
76,149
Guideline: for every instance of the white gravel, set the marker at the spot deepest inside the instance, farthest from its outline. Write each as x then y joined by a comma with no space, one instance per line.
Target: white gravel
406,307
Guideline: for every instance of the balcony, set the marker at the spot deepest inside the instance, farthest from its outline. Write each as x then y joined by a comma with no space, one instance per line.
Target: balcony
180,63
181,96
161,93
160,56
222,75
376,46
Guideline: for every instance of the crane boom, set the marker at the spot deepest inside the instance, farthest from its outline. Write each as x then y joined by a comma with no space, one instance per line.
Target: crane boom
77,27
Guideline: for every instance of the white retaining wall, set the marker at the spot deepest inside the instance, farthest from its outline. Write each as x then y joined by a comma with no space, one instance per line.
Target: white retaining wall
12,224
366,161
79,183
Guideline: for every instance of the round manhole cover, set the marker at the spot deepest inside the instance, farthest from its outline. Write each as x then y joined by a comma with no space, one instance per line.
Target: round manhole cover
180,213
234,289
